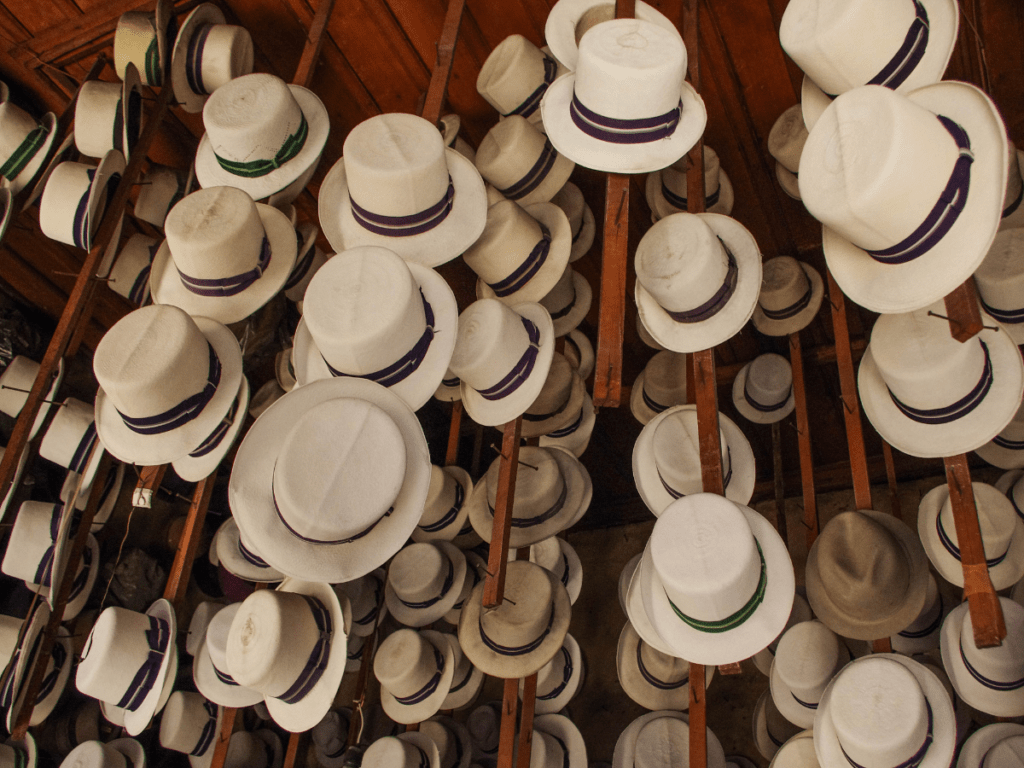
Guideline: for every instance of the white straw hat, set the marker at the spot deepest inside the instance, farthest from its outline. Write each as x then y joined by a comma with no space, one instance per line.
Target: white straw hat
224,257
207,456
191,724
514,77
166,380
796,752
160,189
922,634
129,276
698,278
109,115
662,740
560,679
199,623
368,314
720,596
568,301
579,351
85,577
809,655
666,459
25,145
55,675
581,219
626,108
207,54
119,753
240,560
398,186
890,246
791,295
467,680
451,739
1013,212
666,189
366,597
660,385
800,612
307,263
763,389
32,554
771,729
254,749
994,745
653,679
557,555
1000,282
634,607
445,512
210,668
19,753
476,569
265,397
16,382
786,143
415,671
559,401
140,39
927,394
424,582
450,388
557,743
331,526
406,750
69,440
575,436
75,199
449,126
521,162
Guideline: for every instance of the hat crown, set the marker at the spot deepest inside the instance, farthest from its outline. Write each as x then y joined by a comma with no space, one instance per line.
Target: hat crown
97,112
115,650
1007,753
509,150
769,379
418,572
783,283
557,387
251,117
665,378
1000,278
663,742
667,669
997,520
806,658
246,750
524,614
444,740
94,754
1003,663
126,276
440,494
182,721
674,177
509,236
551,675
563,294
491,340
681,262
570,200
787,138
545,752
511,73
15,125
392,752
227,54
676,449
69,425
20,374
405,662
538,485
31,539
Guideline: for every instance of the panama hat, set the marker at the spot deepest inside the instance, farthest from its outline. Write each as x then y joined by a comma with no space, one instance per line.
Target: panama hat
660,385
786,143
69,440
579,351
633,604
450,388
557,743
265,397
284,369
199,623
19,753
581,219
368,314
800,612
330,738
557,556
55,674
449,126
415,671
575,436
406,750
867,575
399,187
424,581
653,679
1002,535
1013,213
791,294
160,189
922,634
166,381
502,355
1000,282
340,525
25,146
65,151
698,278
559,401
796,752
736,577
307,262
484,726
560,679
521,162
109,115
16,382
885,709
994,745
662,740
119,753
191,724
645,336
763,389
366,597
476,568
224,257
451,739
445,512
210,670
550,491
809,655
39,556
626,108
927,394
522,634
254,749
207,54
568,302
261,135
514,77
989,679
666,189
666,459
207,456
108,495
128,657
239,559
467,680
129,276
289,644
75,199
940,137
141,39
85,578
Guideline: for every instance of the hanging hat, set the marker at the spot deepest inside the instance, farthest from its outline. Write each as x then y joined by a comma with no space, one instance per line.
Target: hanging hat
200,621
265,397
867,575
25,145
205,459
666,459
809,655
1002,535
560,679
85,578
660,385
415,670
207,54
366,596
210,669
354,659
484,726
1000,282
922,634
568,302
698,277
119,753
449,126
254,749
63,152
127,660
1013,212
666,189
261,135
191,724
723,595
289,644
284,369
575,436
368,314
885,709
550,490
129,277
109,115
406,750
240,560
994,745
514,77
581,219
397,186
662,740
559,401
75,199
224,257
626,108
786,144
339,525
55,675
159,191
800,612
635,609
445,512
451,739
870,192
557,743
521,162
166,381
927,394
1006,450
502,354
645,335
141,39
330,738
476,569
69,440
424,581
580,353
791,294
763,389
557,556
108,495
307,263
653,679
467,680
17,380
989,679
522,634
450,388
31,553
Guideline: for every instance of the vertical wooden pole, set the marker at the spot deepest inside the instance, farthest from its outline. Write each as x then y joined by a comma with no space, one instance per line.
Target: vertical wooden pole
526,720
803,429
442,71
780,486
509,705
451,456
890,474
227,727
181,568
964,312
497,559
611,322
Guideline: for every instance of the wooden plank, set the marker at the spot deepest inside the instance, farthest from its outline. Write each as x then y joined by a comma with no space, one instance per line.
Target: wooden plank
881,645
149,481
964,311
803,431
707,422
311,51
986,613
443,65
295,754
451,456
780,485
698,718
497,558
611,321
227,727
181,568
526,720
890,475
507,739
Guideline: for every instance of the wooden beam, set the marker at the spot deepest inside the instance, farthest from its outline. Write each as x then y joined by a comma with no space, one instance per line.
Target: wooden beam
355,725
611,320
507,738
526,720
181,568
497,558
311,50
227,727
881,645
295,754
451,456
803,432
438,88
964,312
780,485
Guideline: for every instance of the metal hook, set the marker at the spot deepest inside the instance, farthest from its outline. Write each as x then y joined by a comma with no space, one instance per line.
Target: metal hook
943,317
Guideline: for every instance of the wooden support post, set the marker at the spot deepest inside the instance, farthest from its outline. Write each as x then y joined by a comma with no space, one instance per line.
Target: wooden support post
181,568
803,431
611,326
295,753
442,71
149,481
509,705
890,474
526,720
311,50
881,645
707,422
451,456
497,559
227,727
986,613
780,486
964,312
698,718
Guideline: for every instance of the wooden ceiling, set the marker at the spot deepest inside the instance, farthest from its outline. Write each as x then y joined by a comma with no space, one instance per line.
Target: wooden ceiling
377,58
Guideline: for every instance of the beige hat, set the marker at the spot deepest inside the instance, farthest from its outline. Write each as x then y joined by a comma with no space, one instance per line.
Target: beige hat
308,261
791,295
568,302
922,634
521,162
210,671
159,191
406,750
476,569
129,276
771,729
575,436
557,555
653,679
415,671
660,385
801,612
559,401
449,126
560,679
140,39
515,76
467,679
424,582
808,656
581,219
661,740
557,743
786,144
666,189
1000,282
109,115
38,555
995,744
1013,213
191,724
445,512
366,597
207,456
25,145
579,351
16,382
207,54
763,389
119,753
241,560
69,440
75,199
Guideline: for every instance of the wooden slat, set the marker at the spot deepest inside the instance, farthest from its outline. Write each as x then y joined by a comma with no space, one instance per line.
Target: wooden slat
890,475
314,42
698,718
497,559
611,323
526,720
803,429
881,645
181,568
507,738
227,727
780,485
451,455
149,481
443,66
964,312
355,725
295,754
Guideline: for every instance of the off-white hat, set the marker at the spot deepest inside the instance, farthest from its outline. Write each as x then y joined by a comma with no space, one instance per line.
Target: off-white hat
662,740
666,189
557,743
85,577
927,394
581,219
160,189
626,108
19,753
424,581
1000,282
660,385
415,671
476,569
800,612
449,126
55,675
75,199
140,39
445,512
16,382
514,77
633,603
25,145
191,724
559,401
994,745
697,280
763,389
69,440
119,753
451,739
791,294
109,115
467,680
210,668
484,726
366,596
207,54
254,749
1013,213
265,396
568,302
307,263
771,729
786,144
653,679
330,738
579,351
239,559
575,436
1006,450
198,624
406,750
521,162
922,634
38,529
129,277
560,679
207,456
557,555
809,655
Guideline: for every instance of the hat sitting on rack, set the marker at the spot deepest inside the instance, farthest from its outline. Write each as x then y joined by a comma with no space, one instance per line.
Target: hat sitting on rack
1013,212
467,680
25,144
129,277
575,435
210,668
159,191
662,740
995,744
141,39
514,77
1000,282
75,199
69,440
557,556
568,302
809,655
445,512
55,675
207,456
666,189
560,679
484,726
254,749
626,108
191,724
476,569
922,634
771,729
791,294
406,750
19,753
1006,450
653,679
800,612
240,560
366,597
330,738
38,555
307,262
559,401
424,581
569,20
521,162
660,385
581,219
415,670
579,351
786,144
557,742
109,115
763,389
451,739
207,54
449,126
119,753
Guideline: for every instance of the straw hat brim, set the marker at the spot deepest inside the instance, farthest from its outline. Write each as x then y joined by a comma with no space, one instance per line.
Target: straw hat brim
426,746
584,297
136,722
727,322
462,738
417,388
453,236
585,237
636,611
451,530
1007,480
588,487
572,579
43,708
75,606
206,759
558,703
808,760
250,489
910,646
640,410
799,321
448,394
973,751
218,692
28,743
193,469
23,179
276,747
764,624
490,413
788,181
565,416
210,174
788,706
763,658
576,443
1004,575
661,207
836,619
111,164
599,155
892,288
131,749
939,753
166,287
497,665
749,412
54,160
645,469
625,747
641,691
560,27
416,713
421,617
563,729
228,555
625,577
466,695
1015,219
586,352
813,102
1000,457
309,234
964,434
765,741
204,14
133,448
